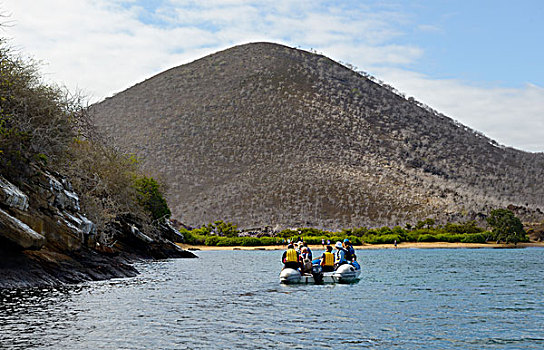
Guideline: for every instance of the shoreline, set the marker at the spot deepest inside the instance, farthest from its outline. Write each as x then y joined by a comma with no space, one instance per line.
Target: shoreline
404,245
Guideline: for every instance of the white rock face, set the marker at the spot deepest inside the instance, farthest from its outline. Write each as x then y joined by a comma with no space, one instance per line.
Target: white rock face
65,198
140,235
12,196
80,223
17,232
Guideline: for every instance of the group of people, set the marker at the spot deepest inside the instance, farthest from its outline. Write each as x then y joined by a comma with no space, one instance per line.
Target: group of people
299,256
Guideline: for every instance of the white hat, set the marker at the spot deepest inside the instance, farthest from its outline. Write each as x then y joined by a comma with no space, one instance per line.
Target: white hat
338,244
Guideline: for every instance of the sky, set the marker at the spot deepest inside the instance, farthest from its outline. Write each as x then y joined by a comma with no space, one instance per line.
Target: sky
478,62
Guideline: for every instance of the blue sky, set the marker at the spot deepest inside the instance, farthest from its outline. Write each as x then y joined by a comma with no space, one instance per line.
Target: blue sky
477,61
485,42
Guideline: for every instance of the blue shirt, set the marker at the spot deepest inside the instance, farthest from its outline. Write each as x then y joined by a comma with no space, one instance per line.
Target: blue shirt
340,257
309,252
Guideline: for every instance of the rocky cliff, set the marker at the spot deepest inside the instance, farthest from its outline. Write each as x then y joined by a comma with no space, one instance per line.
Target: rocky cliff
45,239
263,134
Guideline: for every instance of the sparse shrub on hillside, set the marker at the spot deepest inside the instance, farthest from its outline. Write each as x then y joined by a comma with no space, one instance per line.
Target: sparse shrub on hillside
300,140
104,179
37,121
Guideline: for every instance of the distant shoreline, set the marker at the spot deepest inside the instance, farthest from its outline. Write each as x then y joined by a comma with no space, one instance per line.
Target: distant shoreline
404,245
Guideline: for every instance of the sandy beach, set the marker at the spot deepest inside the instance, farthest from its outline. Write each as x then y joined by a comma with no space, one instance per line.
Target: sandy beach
407,245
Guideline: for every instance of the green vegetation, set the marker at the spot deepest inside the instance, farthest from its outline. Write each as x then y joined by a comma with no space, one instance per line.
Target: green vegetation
45,128
424,231
506,226
151,198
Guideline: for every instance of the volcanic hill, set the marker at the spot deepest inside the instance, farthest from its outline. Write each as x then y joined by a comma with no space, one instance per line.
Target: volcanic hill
263,134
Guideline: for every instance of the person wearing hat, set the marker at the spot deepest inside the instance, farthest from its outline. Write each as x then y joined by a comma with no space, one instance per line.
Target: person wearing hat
340,255
350,252
291,258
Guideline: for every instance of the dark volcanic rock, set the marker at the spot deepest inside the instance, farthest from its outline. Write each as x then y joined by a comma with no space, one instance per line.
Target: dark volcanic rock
263,134
45,240
45,268
127,230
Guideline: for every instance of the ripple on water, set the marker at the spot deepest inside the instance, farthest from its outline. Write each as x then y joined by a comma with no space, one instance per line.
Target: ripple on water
425,299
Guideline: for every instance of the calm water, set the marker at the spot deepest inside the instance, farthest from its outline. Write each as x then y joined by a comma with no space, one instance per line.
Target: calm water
409,298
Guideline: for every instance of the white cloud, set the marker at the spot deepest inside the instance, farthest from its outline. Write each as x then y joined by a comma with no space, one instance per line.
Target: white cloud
103,47
512,117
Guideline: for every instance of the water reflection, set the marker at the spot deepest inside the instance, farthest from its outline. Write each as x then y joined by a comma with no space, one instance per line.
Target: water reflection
27,313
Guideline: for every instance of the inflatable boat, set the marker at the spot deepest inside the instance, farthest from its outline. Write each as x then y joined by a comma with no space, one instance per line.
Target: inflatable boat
347,273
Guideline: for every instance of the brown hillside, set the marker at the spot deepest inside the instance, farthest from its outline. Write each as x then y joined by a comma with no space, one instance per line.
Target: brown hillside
263,134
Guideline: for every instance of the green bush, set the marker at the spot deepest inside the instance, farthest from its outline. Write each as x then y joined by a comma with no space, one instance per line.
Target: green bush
250,241
467,227
192,238
387,239
270,241
151,198
448,233
426,238
399,230
287,233
212,240
315,240
384,231
474,238
449,237
221,228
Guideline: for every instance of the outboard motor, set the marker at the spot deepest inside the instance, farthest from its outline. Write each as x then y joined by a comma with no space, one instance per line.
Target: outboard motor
317,272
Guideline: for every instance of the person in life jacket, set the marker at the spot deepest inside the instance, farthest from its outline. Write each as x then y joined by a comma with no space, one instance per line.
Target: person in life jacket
350,252
340,255
291,258
327,260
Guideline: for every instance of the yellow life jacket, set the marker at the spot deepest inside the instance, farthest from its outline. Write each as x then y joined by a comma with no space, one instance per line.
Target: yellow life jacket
291,256
329,259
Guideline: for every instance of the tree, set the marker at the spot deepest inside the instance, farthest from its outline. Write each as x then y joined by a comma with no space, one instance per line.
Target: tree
151,198
427,222
222,228
506,226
